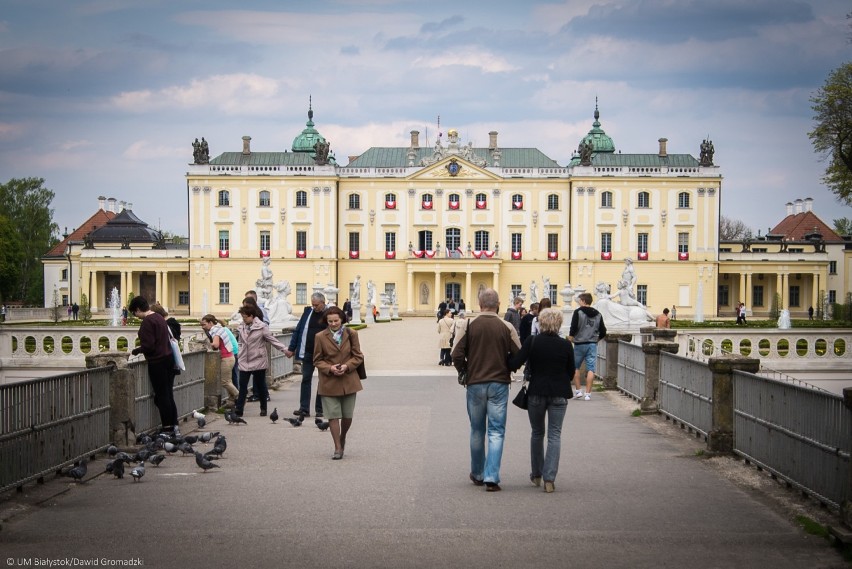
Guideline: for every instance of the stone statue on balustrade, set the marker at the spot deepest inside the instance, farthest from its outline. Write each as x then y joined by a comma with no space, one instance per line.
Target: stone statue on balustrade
627,313
533,292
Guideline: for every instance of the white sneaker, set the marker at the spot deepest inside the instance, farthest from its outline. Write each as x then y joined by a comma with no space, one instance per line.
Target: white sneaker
587,397
578,393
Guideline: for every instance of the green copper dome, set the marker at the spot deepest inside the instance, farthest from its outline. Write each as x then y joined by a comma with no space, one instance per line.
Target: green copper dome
309,137
600,141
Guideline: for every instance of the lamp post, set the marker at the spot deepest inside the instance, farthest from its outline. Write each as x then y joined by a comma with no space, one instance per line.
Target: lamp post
68,256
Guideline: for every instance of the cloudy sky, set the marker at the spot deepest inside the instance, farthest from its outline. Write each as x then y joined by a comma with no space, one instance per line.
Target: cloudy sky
104,97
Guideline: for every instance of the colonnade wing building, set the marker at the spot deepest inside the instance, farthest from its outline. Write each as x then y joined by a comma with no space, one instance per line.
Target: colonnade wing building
447,220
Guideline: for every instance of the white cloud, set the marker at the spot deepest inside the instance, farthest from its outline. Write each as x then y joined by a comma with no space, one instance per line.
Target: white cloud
468,56
144,150
74,144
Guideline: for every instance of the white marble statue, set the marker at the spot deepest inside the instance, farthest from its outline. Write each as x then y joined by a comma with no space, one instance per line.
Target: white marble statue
279,308
533,292
330,291
545,286
620,314
628,275
372,298
356,291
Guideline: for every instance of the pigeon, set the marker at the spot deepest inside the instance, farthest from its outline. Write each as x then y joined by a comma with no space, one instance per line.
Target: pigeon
143,438
186,448
229,416
112,450
118,468
170,447
138,472
202,422
207,437
142,455
219,447
322,425
157,459
197,415
204,462
110,466
238,420
124,457
79,470
274,416
295,422
191,439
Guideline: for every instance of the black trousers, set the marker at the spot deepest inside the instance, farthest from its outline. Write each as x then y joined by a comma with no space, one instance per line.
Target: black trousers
161,373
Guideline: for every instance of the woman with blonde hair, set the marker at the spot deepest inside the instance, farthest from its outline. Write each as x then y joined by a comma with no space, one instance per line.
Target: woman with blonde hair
221,340
550,360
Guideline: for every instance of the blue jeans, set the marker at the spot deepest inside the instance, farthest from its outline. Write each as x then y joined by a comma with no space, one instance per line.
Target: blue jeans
486,408
259,381
305,394
541,464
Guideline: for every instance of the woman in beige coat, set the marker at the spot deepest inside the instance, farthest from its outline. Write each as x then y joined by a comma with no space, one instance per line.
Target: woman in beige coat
337,355
445,331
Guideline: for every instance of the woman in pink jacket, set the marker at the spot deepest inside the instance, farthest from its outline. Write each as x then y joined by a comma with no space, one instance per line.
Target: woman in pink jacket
253,362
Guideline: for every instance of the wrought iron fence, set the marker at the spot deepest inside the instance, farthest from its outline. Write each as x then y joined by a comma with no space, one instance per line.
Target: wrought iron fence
280,365
188,391
49,423
631,369
686,392
801,435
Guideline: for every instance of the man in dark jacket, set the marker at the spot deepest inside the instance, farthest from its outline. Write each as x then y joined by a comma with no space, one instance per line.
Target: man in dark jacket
155,346
302,346
513,314
527,322
483,349
587,329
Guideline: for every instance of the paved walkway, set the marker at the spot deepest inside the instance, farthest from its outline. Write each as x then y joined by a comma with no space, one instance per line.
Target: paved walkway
628,493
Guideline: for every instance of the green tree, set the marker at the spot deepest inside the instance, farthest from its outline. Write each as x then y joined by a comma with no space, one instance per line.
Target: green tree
832,133
843,226
11,254
26,204
85,308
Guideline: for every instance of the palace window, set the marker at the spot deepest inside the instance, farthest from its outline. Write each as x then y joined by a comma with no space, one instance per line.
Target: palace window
263,199
481,241
832,296
517,201
516,292
683,200
301,293
606,199
301,240
642,294
642,244
301,198
606,242
517,243
224,198
224,240
354,201
481,201
452,236
683,242
424,240
794,296
224,293
724,295
552,202
390,201
832,267
64,274
757,295
183,297
552,245
354,241
390,242
454,201
644,200
265,241
426,201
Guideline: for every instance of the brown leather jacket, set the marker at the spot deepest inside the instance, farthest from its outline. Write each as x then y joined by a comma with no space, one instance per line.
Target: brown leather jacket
484,349
328,354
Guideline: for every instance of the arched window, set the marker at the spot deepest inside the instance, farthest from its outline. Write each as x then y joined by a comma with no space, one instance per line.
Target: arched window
224,197
263,199
517,201
354,201
683,199
390,201
481,201
552,202
301,198
454,201
426,201
481,241
644,200
606,199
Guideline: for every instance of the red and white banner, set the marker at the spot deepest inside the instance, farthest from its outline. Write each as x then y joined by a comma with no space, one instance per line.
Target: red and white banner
480,254
606,256
518,205
454,205
300,254
552,255
418,254
427,205
354,254
643,256
224,253
429,254
481,204
264,252
390,254
390,204
683,256
516,255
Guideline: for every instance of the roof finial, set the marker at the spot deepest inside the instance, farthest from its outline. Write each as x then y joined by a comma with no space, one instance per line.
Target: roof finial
597,113
310,109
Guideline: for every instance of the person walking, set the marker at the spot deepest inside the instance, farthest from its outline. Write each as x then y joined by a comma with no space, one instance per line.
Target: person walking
302,346
254,335
337,355
513,314
446,327
550,361
587,329
155,346
743,313
525,329
221,340
75,309
483,350
461,307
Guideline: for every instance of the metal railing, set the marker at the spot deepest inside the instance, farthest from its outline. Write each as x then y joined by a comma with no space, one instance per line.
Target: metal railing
686,392
279,364
188,391
800,435
631,369
49,423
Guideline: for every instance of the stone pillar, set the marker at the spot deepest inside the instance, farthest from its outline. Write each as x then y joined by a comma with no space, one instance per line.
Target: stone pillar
846,506
721,436
467,291
651,401
212,385
496,286
122,395
610,378
409,292
647,333
664,334
356,312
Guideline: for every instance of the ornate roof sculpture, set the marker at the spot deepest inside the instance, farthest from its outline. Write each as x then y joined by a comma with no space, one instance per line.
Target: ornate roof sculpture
468,152
311,141
596,142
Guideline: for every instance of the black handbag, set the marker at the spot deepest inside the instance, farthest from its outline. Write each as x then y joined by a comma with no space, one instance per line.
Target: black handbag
362,371
522,399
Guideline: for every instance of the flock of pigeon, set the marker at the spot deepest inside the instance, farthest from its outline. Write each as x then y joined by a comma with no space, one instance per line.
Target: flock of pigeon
170,444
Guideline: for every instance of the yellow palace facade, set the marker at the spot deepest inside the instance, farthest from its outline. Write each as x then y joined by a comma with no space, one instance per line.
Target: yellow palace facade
431,222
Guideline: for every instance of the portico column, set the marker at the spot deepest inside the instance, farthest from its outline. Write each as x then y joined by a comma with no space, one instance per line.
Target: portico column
93,291
815,291
439,296
125,287
747,294
779,289
166,289
410,291
467,283
742,291
496,284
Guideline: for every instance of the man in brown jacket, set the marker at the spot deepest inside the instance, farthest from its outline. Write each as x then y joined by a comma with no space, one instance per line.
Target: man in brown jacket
483,349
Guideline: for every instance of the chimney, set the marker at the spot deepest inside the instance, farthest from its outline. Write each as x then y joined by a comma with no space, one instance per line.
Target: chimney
130,206
797,206
809,204
111,205
122,205
663,152
789,208
101,202
492,140
415,139
246,145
